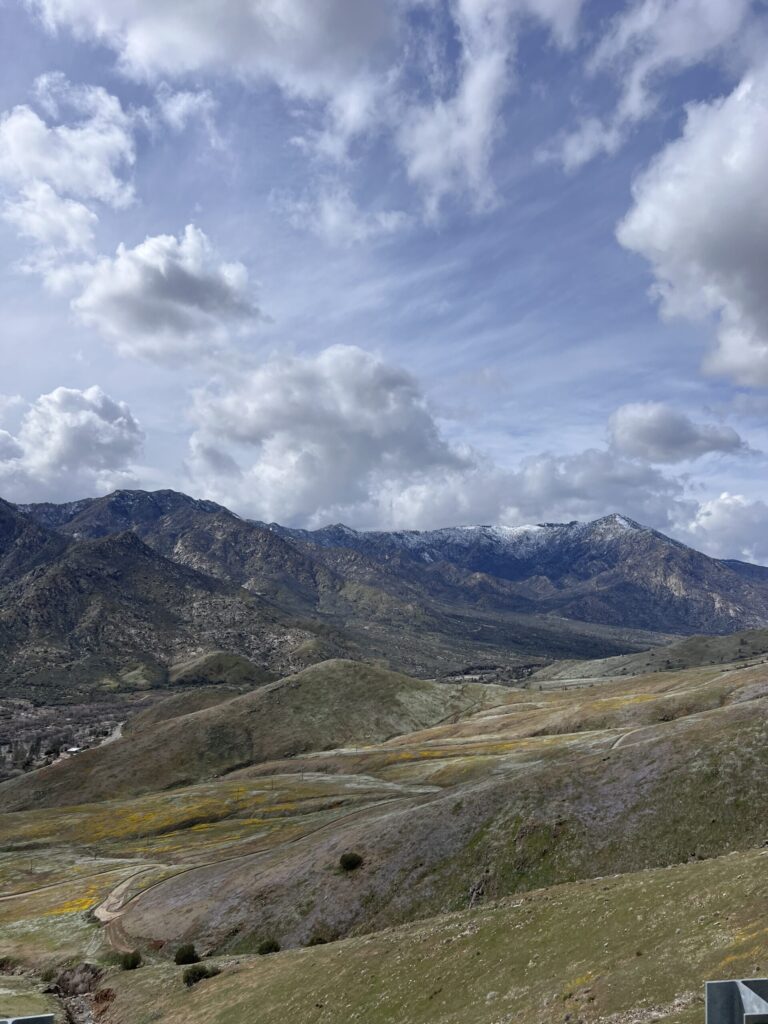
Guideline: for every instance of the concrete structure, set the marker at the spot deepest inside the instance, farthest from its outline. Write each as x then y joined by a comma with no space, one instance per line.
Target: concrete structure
737,1002
38,1018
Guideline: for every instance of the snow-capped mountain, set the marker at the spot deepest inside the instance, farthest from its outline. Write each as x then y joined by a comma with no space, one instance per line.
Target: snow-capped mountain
611,570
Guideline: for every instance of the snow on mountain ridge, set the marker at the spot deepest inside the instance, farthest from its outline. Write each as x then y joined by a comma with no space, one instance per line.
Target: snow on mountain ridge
518,541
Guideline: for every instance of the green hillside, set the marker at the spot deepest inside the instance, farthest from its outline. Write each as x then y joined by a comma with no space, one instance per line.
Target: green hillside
598,850
691,652
329,705
624,950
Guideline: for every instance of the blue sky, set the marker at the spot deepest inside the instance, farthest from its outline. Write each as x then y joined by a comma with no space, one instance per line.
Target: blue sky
402,264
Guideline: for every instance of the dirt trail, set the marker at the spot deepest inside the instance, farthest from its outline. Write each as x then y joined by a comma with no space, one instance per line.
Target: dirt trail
53,885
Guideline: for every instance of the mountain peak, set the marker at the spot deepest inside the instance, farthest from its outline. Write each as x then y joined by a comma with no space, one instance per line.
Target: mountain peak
616,521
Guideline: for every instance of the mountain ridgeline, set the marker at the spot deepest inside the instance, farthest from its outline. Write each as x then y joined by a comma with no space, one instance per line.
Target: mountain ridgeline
111,593
612,570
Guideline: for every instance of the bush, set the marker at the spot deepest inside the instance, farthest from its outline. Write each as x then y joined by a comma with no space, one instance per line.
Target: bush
198,972
268,946
186,954
350,861
130,961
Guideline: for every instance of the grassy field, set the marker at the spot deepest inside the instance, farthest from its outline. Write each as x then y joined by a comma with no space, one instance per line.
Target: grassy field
635,948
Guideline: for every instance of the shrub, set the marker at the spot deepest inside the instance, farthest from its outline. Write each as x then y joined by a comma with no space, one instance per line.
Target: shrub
268,946
350,861
186,954
198,972
130,961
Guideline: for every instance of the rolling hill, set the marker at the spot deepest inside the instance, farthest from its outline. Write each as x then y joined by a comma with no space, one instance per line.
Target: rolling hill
630,804
626,950
334,704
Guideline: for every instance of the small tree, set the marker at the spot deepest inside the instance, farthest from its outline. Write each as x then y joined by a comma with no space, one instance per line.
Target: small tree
268,946
350,861
186,954
197,972
130,961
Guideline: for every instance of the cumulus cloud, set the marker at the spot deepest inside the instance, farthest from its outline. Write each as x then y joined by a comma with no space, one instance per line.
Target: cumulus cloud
447,143
700,217
732,526
54,168
648,39
168,299
83,156
70,442
57,225
589,484
8,403
343,435
309,47
10,448
298,437
656,432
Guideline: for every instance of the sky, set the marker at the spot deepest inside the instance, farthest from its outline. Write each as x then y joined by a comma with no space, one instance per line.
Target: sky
394,263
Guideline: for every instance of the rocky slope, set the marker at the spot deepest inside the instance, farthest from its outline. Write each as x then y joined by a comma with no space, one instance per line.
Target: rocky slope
114,611
24,544
114,590
612,570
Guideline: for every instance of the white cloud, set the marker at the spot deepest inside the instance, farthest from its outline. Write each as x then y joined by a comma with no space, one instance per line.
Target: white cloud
592,483
70,443
53,171
8,403
55,224
84,158
731,526
9,448
344,58
700,217
309,47
299,437
178,109
333,215
447,143
342,435
168,299
656,432
648,39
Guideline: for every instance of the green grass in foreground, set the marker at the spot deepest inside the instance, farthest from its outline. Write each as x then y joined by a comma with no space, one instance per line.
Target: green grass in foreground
631,948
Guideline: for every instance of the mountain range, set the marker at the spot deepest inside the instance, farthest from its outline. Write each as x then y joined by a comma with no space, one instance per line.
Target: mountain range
267,782
109,594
